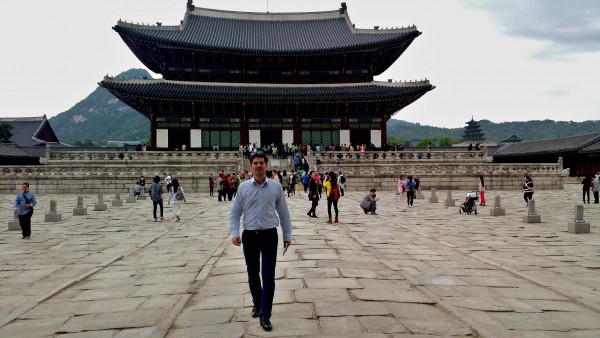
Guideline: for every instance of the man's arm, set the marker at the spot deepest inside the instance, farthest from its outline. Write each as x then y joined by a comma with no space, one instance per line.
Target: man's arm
284,216
33,200
234,216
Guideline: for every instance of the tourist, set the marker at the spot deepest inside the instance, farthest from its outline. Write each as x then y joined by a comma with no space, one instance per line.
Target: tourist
313,195
342,183
235,183
333,195
596,187
481,191
317,180
137,190
23,206
305,180
227,191
156,195
528,189
176,195
401,187
410,187
211,184
143,183
417,184
262,213
285,182
168,180
219,184
293,184
587,186
369,202
470,147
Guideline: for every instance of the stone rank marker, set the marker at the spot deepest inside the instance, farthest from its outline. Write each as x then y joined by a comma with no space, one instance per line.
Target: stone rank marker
117,202
80,210
449,201
13,224
433,198
498,210
100,205
532,216
52,215
579,226
130,198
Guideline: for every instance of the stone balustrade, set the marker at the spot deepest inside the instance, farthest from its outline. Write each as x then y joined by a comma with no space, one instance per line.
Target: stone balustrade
405,155
56,156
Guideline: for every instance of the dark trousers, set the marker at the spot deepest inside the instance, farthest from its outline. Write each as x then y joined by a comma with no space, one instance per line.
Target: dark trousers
330,201
410,197
257,243
25,223
211,190
586,191
342,191
313,208
528,196
596,197
155,204
221,195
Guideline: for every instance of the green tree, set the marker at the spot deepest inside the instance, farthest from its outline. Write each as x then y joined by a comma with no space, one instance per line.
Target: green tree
425,142
397,140
448,141
5,133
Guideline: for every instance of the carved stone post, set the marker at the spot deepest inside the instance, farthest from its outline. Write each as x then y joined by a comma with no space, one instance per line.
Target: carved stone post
52,215
433,198
117,202
449,201
100,205
532,216
579,226
498,210
13,224
80,210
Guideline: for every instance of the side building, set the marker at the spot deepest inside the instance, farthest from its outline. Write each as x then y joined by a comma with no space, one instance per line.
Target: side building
30,137
231,78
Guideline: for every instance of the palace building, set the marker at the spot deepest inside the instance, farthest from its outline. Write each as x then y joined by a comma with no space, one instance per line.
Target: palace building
231,78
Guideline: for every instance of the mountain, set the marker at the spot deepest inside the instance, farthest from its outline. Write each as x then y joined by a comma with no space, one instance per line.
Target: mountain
101,117
495,132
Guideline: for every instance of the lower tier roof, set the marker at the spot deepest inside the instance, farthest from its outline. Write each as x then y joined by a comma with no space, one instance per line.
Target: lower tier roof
265,93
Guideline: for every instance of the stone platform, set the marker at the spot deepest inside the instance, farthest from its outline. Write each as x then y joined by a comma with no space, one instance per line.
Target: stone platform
424,271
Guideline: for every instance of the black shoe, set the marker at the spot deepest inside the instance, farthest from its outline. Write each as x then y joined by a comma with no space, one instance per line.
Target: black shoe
266,324
255,311
308,214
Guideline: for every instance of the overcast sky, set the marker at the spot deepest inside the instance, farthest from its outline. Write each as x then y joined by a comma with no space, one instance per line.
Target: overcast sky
501,60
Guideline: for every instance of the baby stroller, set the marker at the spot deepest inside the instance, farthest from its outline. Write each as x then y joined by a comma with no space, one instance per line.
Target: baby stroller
469,206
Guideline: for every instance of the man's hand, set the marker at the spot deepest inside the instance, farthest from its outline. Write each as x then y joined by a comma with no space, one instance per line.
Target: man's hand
236,241
287,243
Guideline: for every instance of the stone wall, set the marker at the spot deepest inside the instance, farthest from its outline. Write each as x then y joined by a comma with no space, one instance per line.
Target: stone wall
105,171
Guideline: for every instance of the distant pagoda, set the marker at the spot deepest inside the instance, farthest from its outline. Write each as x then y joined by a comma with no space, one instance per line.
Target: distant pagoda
473,133
231,78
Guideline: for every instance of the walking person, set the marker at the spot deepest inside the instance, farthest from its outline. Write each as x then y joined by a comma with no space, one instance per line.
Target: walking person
342,183
285,183
528,189
156,195
24,203
313,195
333,195
177,196
587,185
401,187
262,205
481,191
410,188
211,184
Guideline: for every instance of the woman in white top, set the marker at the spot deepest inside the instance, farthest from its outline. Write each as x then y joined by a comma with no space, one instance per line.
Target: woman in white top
402,187
176,196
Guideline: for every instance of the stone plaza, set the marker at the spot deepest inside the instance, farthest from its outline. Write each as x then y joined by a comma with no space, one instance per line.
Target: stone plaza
425,271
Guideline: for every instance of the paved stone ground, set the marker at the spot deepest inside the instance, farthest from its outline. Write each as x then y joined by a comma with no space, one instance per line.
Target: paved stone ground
408,272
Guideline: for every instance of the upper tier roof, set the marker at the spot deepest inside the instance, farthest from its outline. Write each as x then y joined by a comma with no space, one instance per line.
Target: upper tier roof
288,33
242,92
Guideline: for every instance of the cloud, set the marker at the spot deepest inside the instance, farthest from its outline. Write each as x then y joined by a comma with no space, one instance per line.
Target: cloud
567,26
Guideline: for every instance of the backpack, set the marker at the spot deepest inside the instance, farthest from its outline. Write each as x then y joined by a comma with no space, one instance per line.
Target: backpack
342,179
179,195
335,192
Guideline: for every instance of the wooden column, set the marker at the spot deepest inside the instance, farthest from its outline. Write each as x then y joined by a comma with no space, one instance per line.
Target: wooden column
152,134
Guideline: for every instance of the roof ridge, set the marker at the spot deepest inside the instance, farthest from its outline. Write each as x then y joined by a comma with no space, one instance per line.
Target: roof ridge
23,119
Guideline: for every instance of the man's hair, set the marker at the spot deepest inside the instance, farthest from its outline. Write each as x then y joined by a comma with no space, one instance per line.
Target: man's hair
25,183
156,179
255,155
372,190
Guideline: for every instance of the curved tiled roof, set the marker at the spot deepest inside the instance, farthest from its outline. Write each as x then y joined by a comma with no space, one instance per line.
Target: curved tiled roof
561,144
266,32
243,92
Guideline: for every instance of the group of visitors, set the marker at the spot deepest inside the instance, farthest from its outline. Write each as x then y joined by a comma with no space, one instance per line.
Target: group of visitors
591,183
226,184
176,196
407,188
